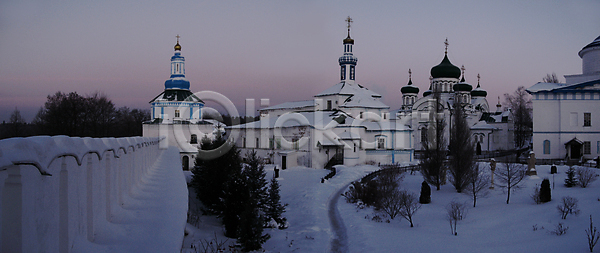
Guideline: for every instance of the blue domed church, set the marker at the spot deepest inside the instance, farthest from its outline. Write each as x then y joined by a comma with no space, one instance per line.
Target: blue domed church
177,113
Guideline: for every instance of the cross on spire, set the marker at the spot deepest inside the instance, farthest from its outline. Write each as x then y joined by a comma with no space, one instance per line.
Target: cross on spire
463,70
177,38
349,21
446,43
409,73
478,77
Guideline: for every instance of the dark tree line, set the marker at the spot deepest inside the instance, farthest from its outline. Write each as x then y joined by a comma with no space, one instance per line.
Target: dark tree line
76,115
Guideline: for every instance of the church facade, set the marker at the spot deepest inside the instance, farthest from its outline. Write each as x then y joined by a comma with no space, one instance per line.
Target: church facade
177,113
348,123
566,122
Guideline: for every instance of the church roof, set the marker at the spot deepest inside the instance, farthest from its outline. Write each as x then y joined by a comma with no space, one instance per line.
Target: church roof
344,88
176,95
589,86
595,43
292,105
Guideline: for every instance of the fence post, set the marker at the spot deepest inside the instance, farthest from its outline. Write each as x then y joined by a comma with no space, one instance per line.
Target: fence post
63,208
12,211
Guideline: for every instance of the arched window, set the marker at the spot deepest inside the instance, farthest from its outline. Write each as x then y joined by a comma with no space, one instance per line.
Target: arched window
423,135
185,162
546,147
194,139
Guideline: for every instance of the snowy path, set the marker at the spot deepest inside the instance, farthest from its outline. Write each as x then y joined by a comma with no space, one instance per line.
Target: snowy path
339,243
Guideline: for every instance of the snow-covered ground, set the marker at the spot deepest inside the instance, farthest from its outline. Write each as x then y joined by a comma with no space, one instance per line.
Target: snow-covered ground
492,226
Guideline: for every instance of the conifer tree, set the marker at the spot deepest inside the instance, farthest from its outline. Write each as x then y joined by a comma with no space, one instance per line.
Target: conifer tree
545,191
570,181
462,152
425,197
210,176
274,209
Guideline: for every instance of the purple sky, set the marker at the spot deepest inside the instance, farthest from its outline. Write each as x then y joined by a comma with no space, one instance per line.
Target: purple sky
282,50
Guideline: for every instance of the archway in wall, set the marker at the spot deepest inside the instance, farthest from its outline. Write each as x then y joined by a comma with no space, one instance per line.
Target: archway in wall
478,148
185,162
574,147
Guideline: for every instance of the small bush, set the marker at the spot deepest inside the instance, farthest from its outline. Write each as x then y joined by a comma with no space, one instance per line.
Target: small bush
585,176
536,195
592,235
559,229
568,206
455,211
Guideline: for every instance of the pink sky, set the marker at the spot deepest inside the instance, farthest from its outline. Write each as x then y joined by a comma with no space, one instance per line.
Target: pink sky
282,50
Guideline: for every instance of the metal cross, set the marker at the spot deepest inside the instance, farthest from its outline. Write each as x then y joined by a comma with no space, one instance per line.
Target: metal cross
409,73
446,43
349,21
177,38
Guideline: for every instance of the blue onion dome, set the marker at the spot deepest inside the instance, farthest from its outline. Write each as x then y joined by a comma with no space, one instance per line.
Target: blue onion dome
177,84
348,58
445,69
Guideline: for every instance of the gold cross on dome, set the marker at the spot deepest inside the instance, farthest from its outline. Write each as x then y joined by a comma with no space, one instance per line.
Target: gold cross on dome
177,38
349,21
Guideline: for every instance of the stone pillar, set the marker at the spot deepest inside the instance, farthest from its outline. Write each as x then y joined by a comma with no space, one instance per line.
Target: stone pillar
492,168
531,165
12,211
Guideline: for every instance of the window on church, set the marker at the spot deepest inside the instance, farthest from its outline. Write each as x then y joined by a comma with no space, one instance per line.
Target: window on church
587,119
257,143
361,115
380,143
351,72
355,147
546,147
194,139
573,119
423,135
343,73
587,148
176,113
328,104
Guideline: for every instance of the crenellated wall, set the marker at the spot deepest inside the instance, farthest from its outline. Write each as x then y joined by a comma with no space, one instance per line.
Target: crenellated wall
70,194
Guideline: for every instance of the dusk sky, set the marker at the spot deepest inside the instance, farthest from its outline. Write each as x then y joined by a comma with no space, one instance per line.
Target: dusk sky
281,50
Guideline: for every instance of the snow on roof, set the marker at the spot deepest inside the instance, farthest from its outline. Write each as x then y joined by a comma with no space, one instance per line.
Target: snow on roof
291,105
347,89
363,100
482,125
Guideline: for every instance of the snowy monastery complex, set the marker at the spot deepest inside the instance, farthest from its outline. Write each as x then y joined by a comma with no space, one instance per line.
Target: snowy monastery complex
566,122
349,124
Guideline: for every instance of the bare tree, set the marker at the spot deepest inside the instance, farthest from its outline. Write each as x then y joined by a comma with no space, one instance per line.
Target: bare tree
592,235
410,205
568,206
520,104
462,153
391,204
455,211
478,184
509,176
585,176
550,78
432,164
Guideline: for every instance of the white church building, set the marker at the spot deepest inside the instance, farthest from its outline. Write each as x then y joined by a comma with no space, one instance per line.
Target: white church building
177,113
566,116
348,123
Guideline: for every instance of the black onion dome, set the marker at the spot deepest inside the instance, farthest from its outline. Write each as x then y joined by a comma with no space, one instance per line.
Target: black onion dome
462,86
349,40
478,92
445,69
409,88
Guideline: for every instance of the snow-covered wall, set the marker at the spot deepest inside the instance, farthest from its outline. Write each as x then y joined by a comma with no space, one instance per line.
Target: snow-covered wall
69,194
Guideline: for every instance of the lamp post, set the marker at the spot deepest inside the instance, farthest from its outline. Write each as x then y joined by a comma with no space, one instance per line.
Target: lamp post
492,168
